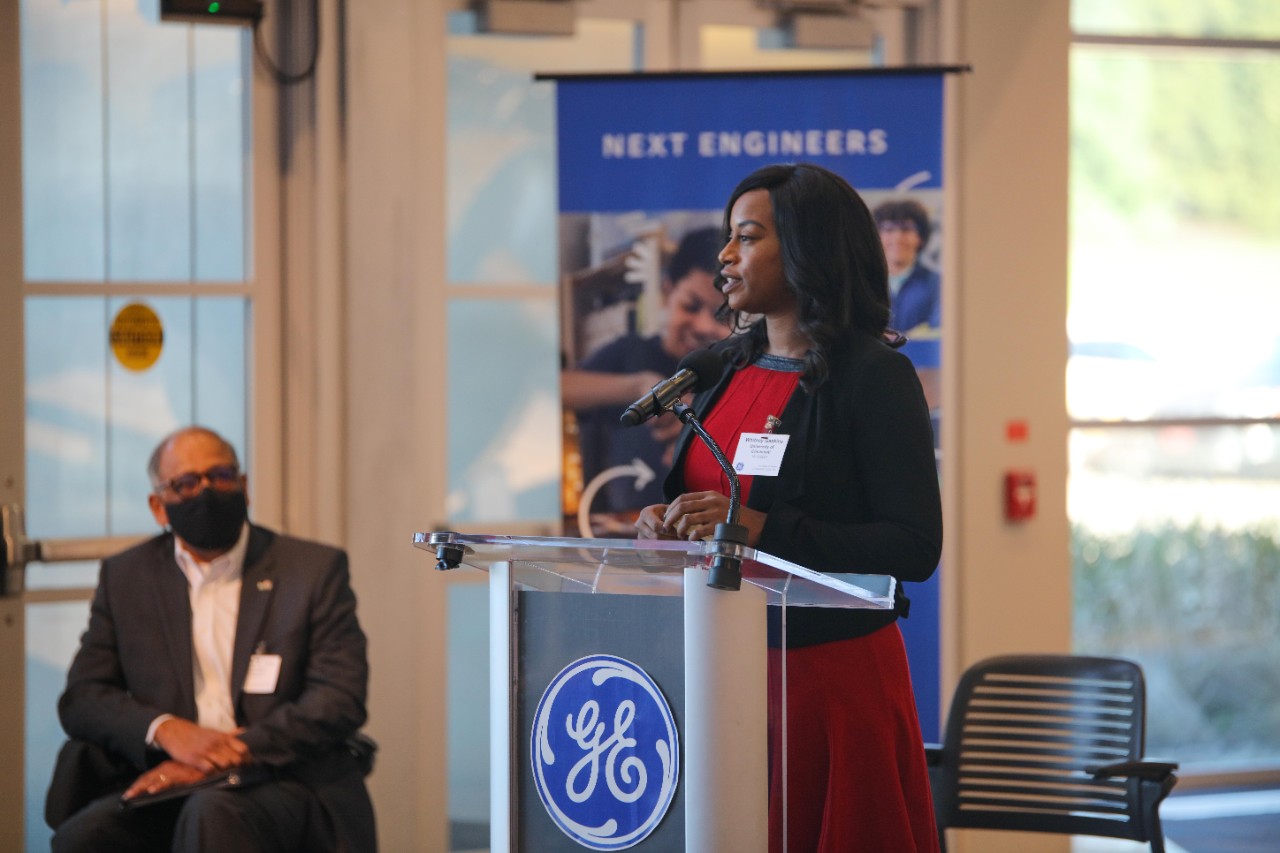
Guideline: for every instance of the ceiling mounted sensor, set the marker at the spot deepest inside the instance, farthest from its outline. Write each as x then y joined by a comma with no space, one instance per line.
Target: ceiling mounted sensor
526,17
244,13
822,30
827,24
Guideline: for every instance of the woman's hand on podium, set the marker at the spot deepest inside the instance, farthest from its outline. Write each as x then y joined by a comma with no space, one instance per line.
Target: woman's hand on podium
650,524
694,516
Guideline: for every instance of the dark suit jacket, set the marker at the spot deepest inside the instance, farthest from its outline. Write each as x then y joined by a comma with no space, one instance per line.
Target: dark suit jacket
919,300
135,663
858,487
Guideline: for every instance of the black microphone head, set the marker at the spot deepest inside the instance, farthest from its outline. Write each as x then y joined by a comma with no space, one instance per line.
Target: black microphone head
707,364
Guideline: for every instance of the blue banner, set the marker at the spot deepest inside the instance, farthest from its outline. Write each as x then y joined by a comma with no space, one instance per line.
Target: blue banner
646,164
676,142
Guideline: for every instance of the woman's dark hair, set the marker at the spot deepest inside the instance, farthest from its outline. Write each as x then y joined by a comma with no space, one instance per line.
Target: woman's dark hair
905,210
832,260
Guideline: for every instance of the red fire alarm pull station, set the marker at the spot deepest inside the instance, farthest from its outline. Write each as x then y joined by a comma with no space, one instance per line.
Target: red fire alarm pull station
1019,495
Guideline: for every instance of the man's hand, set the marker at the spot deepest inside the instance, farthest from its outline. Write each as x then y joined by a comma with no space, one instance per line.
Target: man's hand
165,775
205,750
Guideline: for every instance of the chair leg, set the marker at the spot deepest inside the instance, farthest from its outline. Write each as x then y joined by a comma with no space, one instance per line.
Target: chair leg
1152,814
1153,826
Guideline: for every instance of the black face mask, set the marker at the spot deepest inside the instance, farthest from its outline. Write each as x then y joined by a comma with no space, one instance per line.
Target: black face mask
211,521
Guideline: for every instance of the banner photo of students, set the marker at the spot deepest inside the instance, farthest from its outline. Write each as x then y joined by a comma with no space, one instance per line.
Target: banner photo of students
646,163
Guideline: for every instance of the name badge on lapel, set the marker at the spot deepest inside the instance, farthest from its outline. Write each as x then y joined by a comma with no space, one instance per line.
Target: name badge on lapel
264,672
760,453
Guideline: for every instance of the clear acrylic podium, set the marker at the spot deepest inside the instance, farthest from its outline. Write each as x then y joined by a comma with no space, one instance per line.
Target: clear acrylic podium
565,613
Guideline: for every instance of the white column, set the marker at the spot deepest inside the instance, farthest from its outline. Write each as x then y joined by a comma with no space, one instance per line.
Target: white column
501,678
725,746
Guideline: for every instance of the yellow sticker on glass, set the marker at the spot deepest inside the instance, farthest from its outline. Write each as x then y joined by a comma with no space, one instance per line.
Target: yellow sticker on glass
136,336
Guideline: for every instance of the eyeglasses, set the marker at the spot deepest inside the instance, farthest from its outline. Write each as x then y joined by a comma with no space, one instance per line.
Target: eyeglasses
224,478
892,226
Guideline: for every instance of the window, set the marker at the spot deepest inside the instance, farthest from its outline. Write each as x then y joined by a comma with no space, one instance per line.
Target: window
504,462
504,459
136,175
1173,382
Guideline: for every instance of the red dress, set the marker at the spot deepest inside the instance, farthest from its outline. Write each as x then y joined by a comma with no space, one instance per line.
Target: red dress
857,778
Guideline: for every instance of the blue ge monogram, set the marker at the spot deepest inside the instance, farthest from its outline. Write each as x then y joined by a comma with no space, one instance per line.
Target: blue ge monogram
606,757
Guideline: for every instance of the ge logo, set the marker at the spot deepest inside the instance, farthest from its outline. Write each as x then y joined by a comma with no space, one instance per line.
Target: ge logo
606,757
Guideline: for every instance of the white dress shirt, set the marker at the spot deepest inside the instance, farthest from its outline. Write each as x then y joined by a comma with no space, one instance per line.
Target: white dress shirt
214,590
896,281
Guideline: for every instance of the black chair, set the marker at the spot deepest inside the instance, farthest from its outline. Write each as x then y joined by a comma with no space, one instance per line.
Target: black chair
1050,743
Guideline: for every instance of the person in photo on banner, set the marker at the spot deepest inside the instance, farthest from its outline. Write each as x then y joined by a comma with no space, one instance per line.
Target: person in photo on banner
626,368
915,289
827,423
217,651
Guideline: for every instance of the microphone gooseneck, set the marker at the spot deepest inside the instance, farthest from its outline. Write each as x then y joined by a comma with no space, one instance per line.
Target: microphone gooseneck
725,571
735,488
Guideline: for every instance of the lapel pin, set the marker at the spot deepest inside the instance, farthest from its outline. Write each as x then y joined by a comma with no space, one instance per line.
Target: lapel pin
264,586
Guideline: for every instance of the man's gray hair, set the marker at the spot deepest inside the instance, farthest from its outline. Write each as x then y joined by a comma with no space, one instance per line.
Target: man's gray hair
153,464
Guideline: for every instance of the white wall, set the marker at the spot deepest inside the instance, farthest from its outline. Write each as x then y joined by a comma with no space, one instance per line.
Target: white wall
395,271
1010,582
1008,586
12,482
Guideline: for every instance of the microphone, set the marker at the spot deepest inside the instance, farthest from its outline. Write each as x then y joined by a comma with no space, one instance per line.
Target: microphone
699,371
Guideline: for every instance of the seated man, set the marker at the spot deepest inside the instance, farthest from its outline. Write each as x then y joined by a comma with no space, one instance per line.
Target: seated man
216,645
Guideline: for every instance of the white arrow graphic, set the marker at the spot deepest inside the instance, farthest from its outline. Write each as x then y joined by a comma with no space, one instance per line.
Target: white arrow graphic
644,476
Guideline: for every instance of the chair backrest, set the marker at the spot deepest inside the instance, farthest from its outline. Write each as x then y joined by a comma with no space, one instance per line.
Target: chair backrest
1024,732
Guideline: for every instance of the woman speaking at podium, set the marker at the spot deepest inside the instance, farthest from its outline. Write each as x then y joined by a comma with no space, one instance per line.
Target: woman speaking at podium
849,484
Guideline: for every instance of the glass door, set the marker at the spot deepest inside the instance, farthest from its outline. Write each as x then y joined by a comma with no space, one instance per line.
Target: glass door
125,312
501,302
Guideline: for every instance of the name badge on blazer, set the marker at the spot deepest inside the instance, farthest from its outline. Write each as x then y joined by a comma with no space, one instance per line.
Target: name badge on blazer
759,454
264,672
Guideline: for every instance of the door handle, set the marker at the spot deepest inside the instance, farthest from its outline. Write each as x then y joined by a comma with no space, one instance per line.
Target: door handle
18,550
